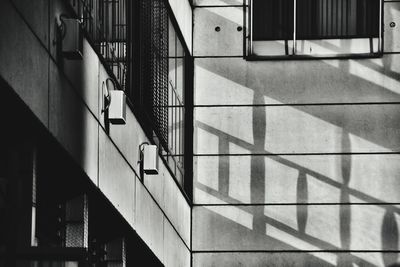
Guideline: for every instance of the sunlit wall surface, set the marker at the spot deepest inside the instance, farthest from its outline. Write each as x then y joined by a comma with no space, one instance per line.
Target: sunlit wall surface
296,161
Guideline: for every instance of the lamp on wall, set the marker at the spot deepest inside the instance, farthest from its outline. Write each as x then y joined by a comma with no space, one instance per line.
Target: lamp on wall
71,37
114,103
148,158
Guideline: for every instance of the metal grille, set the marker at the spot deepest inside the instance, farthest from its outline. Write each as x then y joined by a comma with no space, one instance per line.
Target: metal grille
105,23
154,65
76,222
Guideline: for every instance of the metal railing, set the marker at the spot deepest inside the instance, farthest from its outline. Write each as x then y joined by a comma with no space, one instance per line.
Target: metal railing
105,24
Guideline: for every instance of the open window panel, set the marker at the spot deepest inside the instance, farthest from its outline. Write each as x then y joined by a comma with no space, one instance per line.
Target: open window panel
314,28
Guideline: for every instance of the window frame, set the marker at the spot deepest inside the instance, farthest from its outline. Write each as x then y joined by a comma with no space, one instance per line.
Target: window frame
250,55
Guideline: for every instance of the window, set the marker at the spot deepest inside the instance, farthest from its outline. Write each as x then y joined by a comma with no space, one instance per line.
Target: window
176,103
314,27
163,82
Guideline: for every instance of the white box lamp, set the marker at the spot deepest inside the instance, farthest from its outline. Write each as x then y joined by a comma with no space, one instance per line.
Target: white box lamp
72,38
117,109
150,159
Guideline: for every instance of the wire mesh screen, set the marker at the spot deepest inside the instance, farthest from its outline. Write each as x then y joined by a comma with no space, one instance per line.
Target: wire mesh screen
154,65
76,222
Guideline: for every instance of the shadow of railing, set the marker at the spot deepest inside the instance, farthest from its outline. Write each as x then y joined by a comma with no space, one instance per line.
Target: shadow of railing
389,228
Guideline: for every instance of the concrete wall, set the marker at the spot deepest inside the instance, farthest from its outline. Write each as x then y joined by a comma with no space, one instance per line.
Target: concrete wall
296,161
66,96
183,13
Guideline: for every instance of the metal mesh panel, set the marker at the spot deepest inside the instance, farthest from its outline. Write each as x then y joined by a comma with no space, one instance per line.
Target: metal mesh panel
74,235
76,222
154,64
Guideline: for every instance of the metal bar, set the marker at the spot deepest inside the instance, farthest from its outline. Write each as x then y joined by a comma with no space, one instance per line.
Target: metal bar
380,48
251,27
294,27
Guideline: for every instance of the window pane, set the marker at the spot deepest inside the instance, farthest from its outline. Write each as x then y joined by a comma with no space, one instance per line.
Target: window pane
273,19
320,19
315,19
180,79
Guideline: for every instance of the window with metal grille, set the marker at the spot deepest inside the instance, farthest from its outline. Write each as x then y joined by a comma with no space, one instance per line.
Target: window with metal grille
138,42
163,81
154,65
315,27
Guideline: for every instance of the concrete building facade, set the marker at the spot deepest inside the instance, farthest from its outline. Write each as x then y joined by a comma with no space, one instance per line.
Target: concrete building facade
295,158
55,134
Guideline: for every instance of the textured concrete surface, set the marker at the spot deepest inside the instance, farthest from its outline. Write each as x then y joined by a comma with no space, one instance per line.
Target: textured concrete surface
293,154
28,60
37,20
72,124
175,253
259,179
392,32
149,221
83,75
298,129
296,227
167,194
183,14
309,259
228,41
217,2
177,209
234,81
116,178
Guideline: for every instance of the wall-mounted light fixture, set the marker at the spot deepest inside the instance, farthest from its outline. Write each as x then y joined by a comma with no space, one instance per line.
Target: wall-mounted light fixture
71,37
148,158
114,102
